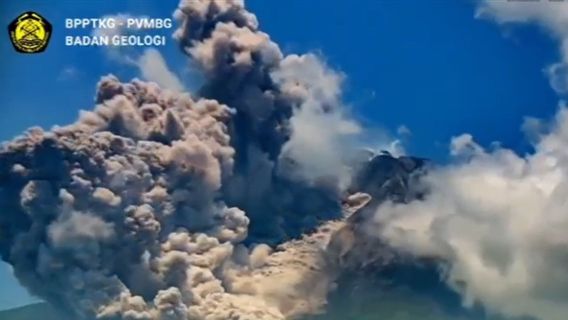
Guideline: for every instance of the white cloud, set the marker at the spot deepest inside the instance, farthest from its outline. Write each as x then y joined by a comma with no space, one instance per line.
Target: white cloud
550,15
325,140
322,135
153,67
321,143
120,54
403,130
119,26
67,73
151,64
464,145
498,222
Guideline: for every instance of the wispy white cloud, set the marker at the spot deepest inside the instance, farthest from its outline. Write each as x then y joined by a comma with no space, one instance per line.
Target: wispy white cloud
403,130
153,67
322,135
117,53
550,15
497,222
68,73
151,64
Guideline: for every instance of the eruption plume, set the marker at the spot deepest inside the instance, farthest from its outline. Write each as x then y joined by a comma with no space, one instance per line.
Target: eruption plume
251,200
160,205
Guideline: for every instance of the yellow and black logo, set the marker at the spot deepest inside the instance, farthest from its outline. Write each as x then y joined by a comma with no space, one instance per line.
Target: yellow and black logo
30,33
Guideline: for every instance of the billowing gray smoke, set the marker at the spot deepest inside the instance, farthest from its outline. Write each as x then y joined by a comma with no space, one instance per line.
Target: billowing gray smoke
241,203
159,205
274,163
121,216
94,211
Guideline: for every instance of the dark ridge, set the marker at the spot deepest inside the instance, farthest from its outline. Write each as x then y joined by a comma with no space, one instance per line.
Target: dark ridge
36,311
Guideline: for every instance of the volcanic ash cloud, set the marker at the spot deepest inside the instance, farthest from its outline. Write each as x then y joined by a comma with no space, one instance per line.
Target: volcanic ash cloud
160,205
120,216
280,165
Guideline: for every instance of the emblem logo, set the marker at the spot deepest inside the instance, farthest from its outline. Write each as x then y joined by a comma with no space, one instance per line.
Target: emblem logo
30,32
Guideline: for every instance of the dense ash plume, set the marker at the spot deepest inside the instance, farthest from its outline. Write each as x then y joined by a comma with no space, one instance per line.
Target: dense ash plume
87,207
121,216
159,205
239,202
280,165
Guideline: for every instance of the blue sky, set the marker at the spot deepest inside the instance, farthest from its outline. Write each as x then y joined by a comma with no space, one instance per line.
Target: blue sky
428,65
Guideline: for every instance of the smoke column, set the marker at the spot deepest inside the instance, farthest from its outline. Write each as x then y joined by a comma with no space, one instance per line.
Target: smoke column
280,167
249,200
162,205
